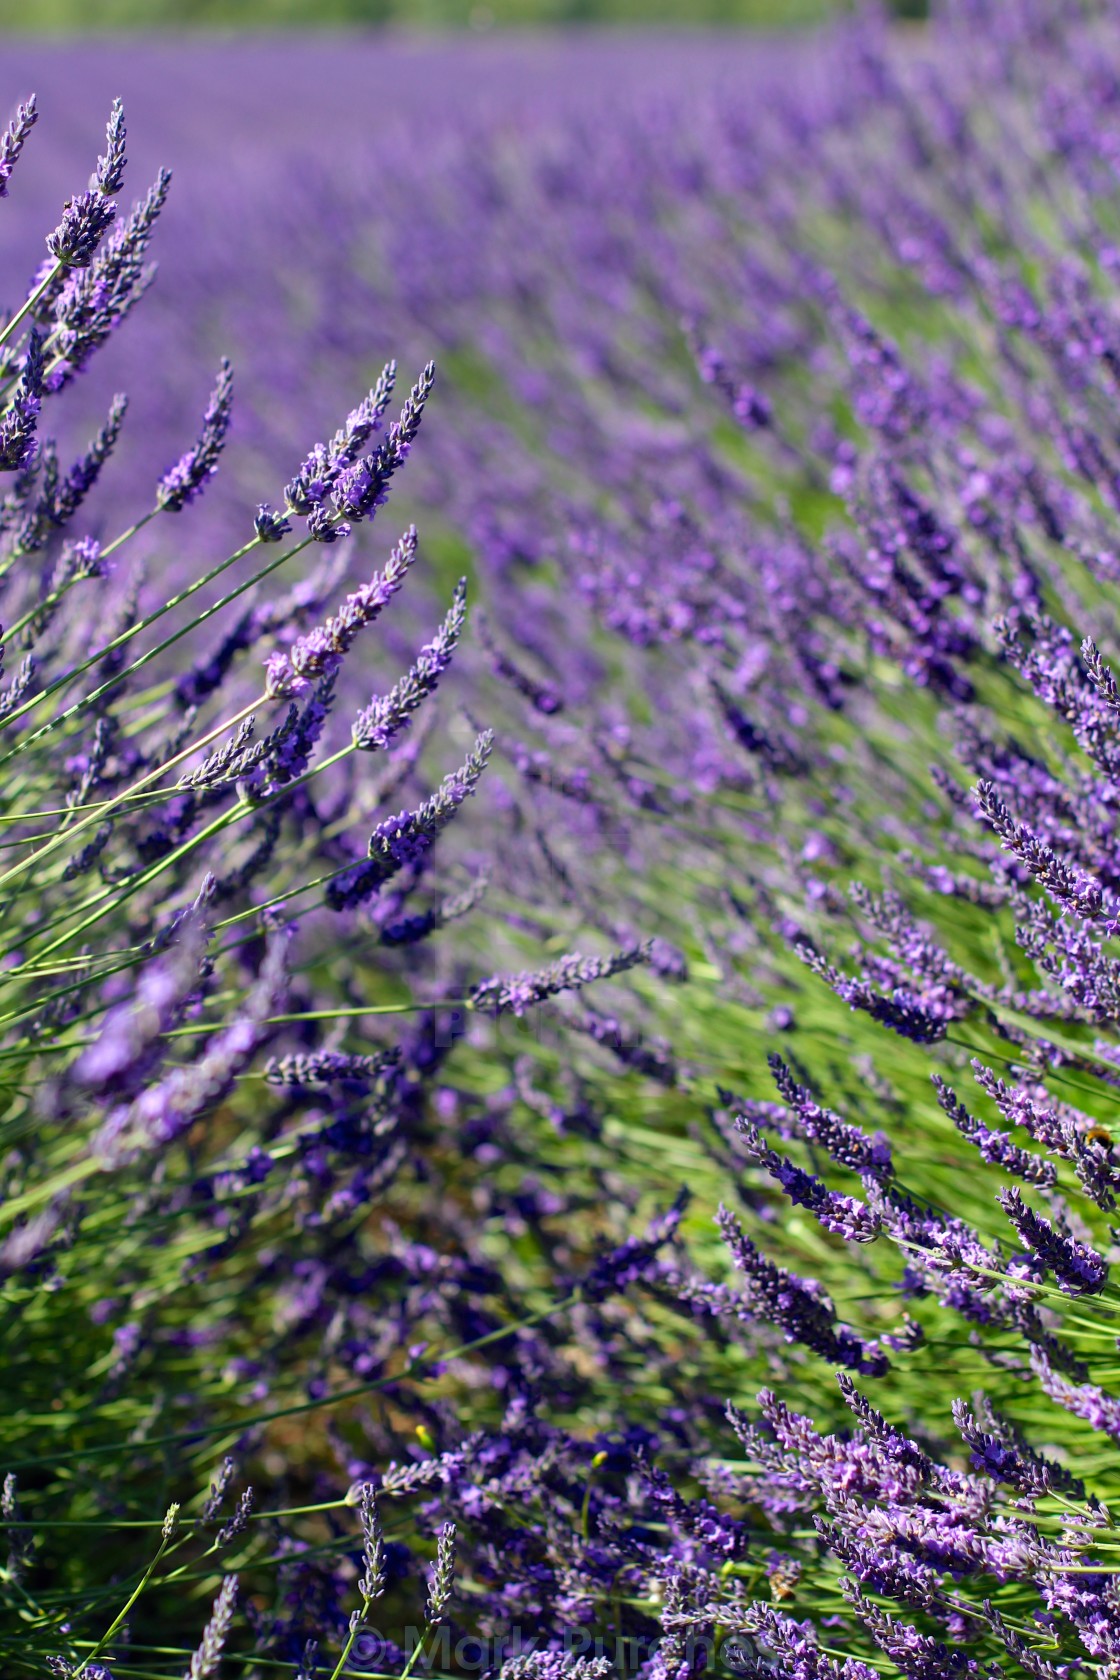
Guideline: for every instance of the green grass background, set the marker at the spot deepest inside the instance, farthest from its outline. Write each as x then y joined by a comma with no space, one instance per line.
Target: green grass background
84,17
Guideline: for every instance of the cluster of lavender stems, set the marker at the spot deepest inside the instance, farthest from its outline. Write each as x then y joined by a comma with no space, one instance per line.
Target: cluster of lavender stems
181,845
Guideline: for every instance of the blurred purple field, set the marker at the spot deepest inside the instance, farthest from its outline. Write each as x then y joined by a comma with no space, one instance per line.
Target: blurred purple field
537,214
293,160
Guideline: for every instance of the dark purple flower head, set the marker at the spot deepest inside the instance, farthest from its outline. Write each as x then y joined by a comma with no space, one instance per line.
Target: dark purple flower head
91,303
923,1015
632,1260
799,1307
541,696
844,1216
323,466
846,1144
356,488
999,1452
798,1646
996,1147
86,218
269,525
1070,887
917,1655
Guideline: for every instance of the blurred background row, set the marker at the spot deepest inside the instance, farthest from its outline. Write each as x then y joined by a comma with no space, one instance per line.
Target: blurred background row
80,16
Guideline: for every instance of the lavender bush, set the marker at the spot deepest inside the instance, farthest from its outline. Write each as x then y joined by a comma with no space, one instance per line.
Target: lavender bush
668,1223
181,1140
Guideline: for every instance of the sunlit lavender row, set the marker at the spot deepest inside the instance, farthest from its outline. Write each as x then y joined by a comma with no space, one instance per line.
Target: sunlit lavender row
559,856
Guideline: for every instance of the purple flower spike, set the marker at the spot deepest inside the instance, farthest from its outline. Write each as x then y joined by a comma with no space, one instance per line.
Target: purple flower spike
167,1108
385,717
998,1451
916,1655
320,471
798,1306
407,837
206,1661
1084,1400
844,1216
1079,1269
18,420
996,1147
515,993
13,138
847,1145
321,653
192,472
109,177
361,488
1072,889
269,525
923,1016
93,302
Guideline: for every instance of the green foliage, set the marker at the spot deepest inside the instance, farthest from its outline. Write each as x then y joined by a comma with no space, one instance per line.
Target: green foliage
78,17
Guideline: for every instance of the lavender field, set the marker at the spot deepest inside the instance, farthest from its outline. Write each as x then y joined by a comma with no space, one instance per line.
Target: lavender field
559,854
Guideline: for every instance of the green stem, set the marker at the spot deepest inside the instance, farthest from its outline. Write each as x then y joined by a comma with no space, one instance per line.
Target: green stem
135,630
67,835
122,1614
48,280
356,1626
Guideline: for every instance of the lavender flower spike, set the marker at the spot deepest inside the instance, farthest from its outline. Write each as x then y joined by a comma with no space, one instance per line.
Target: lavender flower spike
320,654
406,837
385,717
848,1145
12,140
1010,1460
165,1110
371,1583
799,1307
844,1216
1071,889
1079,1269
320,471
86,218
361,488
17,423
796,1643
1084,1400
269,525
191,473
996,1147
443,1576
109,177
516,993
915,1654
205,1661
